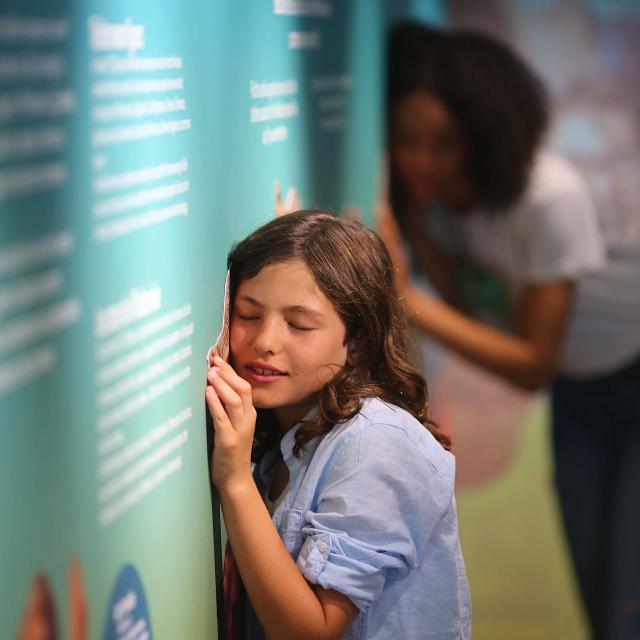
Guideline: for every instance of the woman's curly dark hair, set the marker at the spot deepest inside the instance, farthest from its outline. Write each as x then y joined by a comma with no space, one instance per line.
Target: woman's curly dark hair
352,268
497,101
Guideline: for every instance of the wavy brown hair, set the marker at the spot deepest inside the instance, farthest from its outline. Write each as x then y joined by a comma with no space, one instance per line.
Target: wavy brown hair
350,265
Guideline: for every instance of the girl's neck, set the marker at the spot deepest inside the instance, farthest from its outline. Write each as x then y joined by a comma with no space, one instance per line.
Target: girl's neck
287,417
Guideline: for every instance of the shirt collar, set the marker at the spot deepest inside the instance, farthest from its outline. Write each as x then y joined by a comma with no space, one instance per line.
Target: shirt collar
288,440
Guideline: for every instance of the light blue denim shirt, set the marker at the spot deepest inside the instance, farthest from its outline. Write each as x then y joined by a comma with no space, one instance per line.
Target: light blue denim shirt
370,512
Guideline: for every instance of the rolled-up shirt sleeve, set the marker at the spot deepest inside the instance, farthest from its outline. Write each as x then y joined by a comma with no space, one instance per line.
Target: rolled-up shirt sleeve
378,504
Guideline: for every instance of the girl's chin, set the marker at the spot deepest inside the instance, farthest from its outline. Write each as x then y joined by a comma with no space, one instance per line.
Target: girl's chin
265,405
265,400
262,400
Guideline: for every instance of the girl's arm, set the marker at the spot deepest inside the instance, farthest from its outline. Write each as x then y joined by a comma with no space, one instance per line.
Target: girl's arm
528,358
286,604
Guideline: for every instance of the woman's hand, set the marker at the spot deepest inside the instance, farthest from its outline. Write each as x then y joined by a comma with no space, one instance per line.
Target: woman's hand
392,238
284,206
234,417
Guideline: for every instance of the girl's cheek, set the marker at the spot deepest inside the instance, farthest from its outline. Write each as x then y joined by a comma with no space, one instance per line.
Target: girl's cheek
236,332
237,335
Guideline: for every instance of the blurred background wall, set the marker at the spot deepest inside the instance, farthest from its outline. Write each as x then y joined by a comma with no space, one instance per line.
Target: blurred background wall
585,52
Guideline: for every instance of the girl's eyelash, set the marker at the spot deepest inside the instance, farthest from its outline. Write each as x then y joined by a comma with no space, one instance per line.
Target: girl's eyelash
297,328
293,326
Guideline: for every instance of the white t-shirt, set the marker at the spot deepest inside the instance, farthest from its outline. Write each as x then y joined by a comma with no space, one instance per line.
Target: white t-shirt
552,233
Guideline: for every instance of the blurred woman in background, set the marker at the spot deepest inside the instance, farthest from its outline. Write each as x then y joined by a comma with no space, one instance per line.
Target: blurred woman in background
507,235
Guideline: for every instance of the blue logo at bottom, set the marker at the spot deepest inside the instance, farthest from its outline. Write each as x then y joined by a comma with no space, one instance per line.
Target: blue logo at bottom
128,615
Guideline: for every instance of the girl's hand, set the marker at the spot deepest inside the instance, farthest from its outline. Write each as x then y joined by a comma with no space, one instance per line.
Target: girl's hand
234,417
390,233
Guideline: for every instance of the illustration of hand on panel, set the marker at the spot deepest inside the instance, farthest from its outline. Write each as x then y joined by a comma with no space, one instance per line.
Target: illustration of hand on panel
40,618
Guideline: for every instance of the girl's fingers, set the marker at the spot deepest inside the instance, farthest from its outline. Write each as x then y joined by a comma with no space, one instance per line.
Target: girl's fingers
221,420
238,384
230,399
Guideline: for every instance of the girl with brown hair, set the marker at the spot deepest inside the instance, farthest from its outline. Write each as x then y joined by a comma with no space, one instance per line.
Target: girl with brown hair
346,526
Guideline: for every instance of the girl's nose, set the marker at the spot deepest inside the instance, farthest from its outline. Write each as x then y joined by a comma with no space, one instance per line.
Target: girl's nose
268,339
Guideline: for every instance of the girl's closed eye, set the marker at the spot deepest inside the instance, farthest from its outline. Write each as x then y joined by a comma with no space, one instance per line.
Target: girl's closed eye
247,317
298,327
246,312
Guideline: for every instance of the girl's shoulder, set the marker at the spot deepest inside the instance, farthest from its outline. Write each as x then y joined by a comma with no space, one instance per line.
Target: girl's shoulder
387,435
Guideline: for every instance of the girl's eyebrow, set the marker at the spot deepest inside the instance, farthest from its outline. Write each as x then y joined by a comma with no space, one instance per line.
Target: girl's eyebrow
305,310
293,308
250,300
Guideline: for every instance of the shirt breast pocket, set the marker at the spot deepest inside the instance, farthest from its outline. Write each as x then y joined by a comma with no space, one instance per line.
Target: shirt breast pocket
290,530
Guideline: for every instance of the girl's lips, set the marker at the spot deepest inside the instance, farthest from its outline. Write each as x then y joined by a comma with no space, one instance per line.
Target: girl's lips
264,374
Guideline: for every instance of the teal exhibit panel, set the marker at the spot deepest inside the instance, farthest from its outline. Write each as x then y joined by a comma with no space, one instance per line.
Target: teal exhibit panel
107,232
138,141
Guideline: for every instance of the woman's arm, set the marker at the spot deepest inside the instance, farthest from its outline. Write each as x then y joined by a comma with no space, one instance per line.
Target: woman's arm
434,264
286,604
528,358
